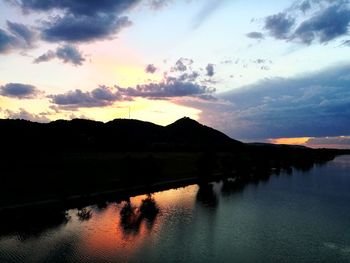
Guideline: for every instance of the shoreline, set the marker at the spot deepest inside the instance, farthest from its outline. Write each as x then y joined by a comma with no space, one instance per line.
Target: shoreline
77,200
117,194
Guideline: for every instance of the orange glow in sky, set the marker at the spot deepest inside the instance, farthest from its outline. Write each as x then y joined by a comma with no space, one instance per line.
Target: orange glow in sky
296,141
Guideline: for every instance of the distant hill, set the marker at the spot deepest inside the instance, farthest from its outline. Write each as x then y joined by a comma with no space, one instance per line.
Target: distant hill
117,135
186,130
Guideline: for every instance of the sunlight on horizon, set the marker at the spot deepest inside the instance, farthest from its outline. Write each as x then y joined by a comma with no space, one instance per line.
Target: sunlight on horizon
293,141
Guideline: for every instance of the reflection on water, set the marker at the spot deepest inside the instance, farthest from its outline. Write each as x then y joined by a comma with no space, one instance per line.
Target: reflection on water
131,216
84,214
302,217
207,196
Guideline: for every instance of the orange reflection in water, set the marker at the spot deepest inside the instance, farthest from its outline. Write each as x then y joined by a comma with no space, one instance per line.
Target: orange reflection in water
105,236
109,234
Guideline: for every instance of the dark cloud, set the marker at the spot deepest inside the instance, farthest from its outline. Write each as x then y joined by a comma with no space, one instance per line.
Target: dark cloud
210,70
313,105
188,76
78,7
18,36
182,64
49,55
346,43
103,96
327,21
80,20
99,97
255,35
168,88
324,26
66,53
7,42
305,5
22,114
279,25
72,28
150,68
22,32
20,91
70,54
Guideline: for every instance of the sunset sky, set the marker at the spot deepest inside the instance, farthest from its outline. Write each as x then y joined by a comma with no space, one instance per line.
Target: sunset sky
270,71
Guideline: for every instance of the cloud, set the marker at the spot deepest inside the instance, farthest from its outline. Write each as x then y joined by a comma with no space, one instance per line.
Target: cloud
83,28
210,70
259,61
346,43
158,4
77,7
49,55
22,32
255,35
305,5
313,105
279,25
17,36
7,42
80,20
168,88
339,142
66,53
150,68
328,20
22,114
191,77
208,9
324,26
19,91
99,97
227,61
182,64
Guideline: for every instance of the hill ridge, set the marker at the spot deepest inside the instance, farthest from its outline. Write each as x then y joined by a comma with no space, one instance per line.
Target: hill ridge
114,135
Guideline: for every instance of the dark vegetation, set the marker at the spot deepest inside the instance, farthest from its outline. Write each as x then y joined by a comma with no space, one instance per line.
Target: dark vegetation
63,160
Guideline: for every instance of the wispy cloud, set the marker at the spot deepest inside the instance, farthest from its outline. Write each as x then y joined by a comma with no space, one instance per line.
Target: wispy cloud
207,10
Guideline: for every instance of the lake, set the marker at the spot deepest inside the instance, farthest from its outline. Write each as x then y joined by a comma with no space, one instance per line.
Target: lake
299,217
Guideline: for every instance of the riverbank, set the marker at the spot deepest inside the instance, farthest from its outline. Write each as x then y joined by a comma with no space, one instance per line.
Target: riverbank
117,194
80,179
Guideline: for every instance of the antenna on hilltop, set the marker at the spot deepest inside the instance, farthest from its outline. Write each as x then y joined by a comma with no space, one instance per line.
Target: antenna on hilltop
129,112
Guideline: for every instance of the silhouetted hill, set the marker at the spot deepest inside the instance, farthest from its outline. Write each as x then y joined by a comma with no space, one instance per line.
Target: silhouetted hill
141,134
116,135
186,131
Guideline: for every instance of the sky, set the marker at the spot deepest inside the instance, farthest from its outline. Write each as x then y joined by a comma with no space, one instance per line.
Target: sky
268,71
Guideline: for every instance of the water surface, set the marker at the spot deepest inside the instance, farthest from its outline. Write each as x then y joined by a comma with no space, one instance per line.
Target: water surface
298,217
